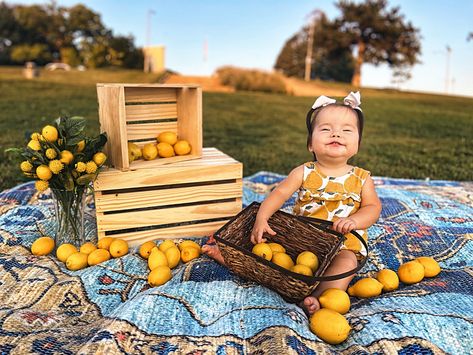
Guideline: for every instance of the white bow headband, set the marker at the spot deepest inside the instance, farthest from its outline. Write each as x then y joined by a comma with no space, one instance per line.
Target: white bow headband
353,100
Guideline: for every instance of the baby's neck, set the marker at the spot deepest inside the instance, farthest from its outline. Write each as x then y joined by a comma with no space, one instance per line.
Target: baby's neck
333,168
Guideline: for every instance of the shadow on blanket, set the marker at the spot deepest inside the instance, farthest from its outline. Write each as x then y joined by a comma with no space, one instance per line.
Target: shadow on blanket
110,309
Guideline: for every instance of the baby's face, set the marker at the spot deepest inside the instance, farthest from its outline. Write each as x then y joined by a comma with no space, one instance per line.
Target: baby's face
335,134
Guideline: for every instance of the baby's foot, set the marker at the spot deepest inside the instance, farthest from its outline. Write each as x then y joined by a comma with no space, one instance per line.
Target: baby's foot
213,252
310,305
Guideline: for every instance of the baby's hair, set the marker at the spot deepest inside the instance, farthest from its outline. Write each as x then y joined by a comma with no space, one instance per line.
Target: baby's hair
312,116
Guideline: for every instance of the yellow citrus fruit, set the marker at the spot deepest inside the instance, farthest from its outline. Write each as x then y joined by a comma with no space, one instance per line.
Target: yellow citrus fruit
149,151
98,256
165,150
118,248
145,249
309,259
35,136
276,248
330,326
134,150
77,261
167,137
173,255
431,267
43,172
104,243
99,158
26,166
182,147
302,269
389,279
34,145
50,133
335,299
411,272
157,258
159,276
189,243
66,157
168,243
64,251
42,246
365,288
41,185
80,146
263,250
189,253
283,260
87,248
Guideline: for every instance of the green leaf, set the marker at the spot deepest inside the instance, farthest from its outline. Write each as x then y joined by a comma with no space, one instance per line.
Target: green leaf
75,126
86,179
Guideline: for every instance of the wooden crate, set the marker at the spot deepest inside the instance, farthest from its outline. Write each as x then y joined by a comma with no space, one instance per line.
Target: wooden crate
139,112
190,198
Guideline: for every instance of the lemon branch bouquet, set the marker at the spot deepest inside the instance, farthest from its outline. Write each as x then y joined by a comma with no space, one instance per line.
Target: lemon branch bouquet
63,159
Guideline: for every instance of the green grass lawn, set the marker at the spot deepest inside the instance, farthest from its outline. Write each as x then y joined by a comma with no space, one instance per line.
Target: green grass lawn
406,135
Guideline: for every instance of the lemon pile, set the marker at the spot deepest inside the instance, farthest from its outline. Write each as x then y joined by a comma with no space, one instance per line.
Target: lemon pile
166,256
168,146
88,254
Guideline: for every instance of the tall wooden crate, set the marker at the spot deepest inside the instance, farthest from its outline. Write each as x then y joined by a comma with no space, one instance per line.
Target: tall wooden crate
139,112
188,198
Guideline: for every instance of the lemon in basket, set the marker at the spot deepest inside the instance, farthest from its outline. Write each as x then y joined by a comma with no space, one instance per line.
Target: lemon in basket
330,326
283,260
276,248
389,279
149,151
167,137
365,288
165,150
335,299
263,250
302,269
431,267
182,147
309,259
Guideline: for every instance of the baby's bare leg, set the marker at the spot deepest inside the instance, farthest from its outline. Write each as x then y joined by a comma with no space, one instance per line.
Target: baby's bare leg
344,261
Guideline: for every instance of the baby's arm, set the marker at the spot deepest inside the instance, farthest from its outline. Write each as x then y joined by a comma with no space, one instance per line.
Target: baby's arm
274,201
368,213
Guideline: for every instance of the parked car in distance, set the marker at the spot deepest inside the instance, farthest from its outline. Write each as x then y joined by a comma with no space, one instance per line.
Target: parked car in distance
57,66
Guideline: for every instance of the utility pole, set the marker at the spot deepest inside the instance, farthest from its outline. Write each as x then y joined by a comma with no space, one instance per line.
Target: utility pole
313,17
447,70
148,27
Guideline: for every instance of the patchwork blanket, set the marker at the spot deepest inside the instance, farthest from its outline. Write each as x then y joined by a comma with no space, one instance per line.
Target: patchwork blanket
109,308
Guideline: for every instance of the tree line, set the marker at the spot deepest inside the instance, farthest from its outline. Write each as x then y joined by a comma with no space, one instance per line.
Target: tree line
73,35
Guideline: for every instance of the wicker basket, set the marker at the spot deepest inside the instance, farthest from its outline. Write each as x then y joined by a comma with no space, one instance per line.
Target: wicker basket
296,234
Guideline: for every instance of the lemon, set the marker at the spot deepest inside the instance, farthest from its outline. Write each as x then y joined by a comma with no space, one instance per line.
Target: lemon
159,276
104,243
149,151
81,167
134,152
99,158
118,248
50,153
165,150
335,299
302,269
145,249
98,256
66,157
276,248
389,279
189,243
283,260
411,272
173,255
309,259
41,185
165,245
64,251
34,145
87,248
80,146
55,166
35,136
77,261
330,326
431,267
26,166
157,258
263,250
50,133
42,246
365,288
90,167
167,137
182,147
189,253
43,172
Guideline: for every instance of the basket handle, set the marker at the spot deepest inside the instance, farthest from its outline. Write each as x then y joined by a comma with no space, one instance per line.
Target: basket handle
361,263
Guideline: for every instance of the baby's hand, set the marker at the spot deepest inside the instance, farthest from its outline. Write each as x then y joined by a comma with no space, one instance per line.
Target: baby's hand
344,225
259,229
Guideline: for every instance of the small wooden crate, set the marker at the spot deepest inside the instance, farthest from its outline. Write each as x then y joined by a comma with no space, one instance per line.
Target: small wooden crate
189,198
139,112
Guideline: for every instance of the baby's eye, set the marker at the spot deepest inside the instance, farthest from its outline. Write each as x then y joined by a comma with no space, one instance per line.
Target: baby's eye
347,130
325,129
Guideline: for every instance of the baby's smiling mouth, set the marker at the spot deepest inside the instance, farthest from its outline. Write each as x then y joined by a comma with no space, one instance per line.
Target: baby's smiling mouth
335,143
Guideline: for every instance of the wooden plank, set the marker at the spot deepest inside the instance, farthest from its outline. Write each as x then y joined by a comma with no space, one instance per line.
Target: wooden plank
159,162
149,94
150,112
189,123
149,130
165,197
138,219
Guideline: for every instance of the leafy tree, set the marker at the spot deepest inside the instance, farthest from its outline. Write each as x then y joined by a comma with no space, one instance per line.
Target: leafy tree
27,52
380,35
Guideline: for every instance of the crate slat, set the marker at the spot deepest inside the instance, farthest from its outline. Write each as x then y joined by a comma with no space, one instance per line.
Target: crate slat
149,94
150,112
149,130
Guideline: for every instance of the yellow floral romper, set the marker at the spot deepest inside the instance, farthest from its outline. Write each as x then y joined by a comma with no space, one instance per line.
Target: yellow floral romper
330,197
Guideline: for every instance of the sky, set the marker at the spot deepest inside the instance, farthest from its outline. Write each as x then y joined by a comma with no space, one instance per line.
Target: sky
251,33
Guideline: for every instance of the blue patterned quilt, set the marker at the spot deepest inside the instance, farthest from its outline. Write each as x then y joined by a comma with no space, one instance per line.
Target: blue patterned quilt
110,309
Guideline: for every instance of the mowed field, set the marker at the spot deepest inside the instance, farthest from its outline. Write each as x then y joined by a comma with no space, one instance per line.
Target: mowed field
406,135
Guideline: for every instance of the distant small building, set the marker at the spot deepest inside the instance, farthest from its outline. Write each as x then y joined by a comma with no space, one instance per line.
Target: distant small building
154,59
